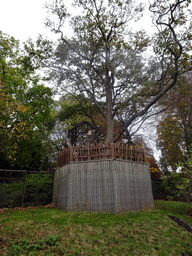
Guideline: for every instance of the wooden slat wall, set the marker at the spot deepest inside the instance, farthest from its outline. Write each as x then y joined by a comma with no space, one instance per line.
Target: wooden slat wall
103,186
100,151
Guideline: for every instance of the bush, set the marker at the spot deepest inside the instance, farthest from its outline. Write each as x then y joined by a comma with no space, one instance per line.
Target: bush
159,191
11,194
178,186
155,173
38,191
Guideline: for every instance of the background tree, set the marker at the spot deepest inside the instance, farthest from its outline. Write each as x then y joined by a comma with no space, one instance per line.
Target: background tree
25,107
175,127
104,60
153,164
73,110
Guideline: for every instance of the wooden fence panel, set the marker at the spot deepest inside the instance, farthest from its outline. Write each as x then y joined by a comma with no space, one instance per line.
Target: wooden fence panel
100,151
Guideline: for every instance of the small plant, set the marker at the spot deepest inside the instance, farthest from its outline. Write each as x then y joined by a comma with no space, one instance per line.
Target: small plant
15,250
52,240
170,198
25,247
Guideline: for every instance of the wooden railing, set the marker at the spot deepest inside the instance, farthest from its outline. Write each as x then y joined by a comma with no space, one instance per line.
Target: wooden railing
99,151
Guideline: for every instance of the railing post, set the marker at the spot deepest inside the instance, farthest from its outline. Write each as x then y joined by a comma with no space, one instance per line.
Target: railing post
113,150
24,186
70,153
144,156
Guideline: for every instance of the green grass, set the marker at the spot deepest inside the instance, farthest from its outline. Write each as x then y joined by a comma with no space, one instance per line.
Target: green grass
51,231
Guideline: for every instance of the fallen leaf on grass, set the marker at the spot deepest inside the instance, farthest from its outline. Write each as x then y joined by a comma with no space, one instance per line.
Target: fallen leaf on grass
3,210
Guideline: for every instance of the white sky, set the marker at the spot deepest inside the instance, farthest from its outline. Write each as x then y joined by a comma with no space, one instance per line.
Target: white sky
23,19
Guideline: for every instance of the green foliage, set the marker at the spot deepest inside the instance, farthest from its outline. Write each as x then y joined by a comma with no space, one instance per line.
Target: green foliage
184,186
75,109
38,191
25,106
174,207
179,185
31,155
170,141
174,129
25,247
170,185
52,239
11,194
155,173
175,138
39,99
70,111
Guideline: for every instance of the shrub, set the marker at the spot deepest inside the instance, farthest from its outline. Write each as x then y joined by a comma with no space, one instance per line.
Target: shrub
159,191
155,173
39,189
11,194
178,186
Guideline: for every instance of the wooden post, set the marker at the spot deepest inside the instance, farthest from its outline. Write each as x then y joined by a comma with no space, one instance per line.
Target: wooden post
24,186
144,156
113,150
70,153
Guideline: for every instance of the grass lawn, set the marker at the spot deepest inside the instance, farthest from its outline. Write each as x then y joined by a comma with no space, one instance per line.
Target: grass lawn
51,231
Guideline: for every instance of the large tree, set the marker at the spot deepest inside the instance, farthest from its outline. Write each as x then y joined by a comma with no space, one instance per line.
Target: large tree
104,60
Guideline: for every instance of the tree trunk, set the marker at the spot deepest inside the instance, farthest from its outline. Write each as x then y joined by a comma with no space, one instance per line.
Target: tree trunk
110,129
109,116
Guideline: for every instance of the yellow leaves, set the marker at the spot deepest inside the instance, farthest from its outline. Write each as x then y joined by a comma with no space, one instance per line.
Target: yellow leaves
12,150
19,132
23,130
22,108
156,172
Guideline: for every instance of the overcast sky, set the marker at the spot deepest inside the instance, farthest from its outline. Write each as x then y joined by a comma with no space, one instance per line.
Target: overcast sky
23,19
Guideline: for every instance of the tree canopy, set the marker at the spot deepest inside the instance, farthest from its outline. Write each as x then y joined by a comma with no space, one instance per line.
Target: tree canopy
25,105
104,60
175,127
